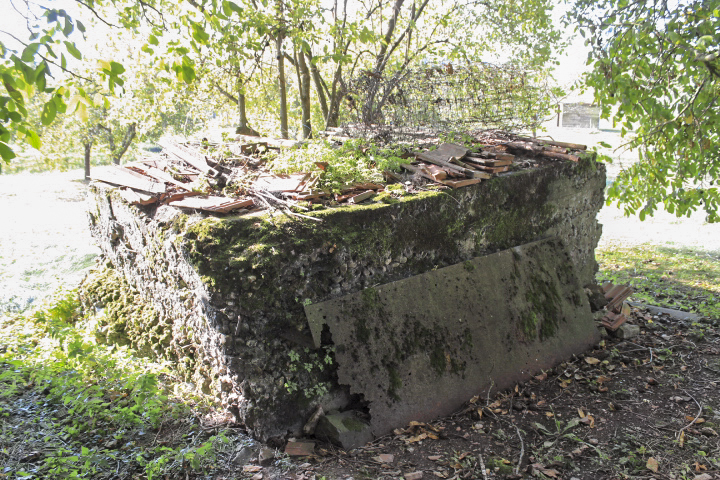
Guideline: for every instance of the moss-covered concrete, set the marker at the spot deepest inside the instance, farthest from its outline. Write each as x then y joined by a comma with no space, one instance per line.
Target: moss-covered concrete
434,338
230,290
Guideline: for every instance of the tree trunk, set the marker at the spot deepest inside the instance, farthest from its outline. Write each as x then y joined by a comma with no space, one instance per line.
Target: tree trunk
336,96
88,147
281,74
117,153
319,87
241,106
283,90
304,86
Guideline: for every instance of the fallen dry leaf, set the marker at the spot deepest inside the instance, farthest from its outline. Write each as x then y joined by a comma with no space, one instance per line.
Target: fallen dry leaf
681,439
434,458
589,421
699,467
416,438
592,360
252,468
540,468
581,414
652,465
690,418
541,377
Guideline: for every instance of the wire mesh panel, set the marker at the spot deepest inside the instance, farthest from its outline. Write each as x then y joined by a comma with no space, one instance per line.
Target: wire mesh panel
447,97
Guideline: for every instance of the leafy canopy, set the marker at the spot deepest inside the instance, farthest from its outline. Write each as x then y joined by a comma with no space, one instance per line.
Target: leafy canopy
655,69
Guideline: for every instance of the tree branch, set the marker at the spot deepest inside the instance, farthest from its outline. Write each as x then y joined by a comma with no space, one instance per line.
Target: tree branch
95,13
226,93
47,59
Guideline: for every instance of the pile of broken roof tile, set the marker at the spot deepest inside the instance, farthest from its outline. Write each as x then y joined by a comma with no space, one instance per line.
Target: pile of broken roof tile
189,176
617,310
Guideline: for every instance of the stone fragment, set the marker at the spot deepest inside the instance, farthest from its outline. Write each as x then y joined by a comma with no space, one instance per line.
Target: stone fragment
344,429
384,458
300,449
627,331
267,455
309,427
596,297
243,455
704,476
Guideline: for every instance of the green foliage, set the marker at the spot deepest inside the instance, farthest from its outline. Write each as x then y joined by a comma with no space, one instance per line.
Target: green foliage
30,72
352,162
227,49
99,392
656,72
301,367
675,278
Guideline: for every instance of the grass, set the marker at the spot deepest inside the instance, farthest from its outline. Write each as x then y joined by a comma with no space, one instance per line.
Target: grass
91,410
680,278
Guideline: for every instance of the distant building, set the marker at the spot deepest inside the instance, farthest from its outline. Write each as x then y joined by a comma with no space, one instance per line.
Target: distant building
580,115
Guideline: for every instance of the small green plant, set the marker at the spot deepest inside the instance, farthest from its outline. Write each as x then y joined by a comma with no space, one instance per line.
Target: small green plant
89,390
305,366
352,162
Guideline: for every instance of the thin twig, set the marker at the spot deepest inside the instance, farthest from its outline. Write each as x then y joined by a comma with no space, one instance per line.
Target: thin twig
84,4
482,466
289,212
694,419
522,450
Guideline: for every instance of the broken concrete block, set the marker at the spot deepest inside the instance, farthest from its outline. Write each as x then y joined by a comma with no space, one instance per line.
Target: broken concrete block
243,455
267,455
414,347
596,297
295,448
344,429
627,331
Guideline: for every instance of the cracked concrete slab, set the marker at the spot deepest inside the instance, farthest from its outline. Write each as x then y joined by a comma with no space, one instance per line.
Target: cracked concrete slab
418,348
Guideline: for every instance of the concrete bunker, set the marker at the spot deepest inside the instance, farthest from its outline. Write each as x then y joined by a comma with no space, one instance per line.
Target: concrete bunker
381,313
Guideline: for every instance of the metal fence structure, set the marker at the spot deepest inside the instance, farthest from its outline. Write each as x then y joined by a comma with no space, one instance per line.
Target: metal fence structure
446,97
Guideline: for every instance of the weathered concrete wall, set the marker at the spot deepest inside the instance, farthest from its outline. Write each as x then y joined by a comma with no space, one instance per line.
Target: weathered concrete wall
414,348
228,293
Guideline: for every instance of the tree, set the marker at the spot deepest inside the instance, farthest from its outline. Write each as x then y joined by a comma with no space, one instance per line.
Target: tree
328,44
655,70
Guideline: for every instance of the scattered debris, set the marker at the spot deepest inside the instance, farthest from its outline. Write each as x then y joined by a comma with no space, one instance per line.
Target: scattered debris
344,429
309,427
617,309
